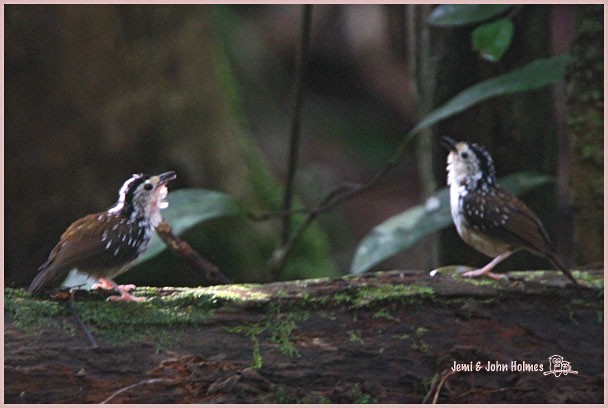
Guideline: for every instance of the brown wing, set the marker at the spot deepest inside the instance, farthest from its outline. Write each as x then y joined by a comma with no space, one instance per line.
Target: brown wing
94,247
503,216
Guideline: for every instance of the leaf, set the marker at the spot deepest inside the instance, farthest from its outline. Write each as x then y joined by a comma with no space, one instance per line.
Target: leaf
453,15
538,73
405,229
492,40
189,207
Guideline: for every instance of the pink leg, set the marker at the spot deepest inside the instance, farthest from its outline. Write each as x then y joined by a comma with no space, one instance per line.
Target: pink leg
487,270
109,284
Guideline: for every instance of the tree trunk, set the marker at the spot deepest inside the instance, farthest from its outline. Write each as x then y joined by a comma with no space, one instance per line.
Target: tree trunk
517,130
389,337
438,56
585,129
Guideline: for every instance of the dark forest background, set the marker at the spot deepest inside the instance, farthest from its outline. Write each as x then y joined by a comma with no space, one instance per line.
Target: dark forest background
96,93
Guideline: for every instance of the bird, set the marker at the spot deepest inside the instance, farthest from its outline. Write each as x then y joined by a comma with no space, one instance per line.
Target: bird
105,244
487,217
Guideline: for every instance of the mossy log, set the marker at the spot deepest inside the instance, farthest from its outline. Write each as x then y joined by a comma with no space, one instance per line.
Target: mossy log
390,337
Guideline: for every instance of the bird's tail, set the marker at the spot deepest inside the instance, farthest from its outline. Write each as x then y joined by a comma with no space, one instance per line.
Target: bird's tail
559,264
46,278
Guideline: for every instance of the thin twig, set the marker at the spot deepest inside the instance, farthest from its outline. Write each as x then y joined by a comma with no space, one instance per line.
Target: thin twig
270,215
84,327
335,197
210,272
144,382
296,116
443,380
436,385
338,195
434,382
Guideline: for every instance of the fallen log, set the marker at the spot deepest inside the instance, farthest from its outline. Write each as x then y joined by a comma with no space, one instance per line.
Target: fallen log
390,337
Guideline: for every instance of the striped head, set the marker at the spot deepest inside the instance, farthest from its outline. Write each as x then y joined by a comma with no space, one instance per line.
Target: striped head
469,165
142,197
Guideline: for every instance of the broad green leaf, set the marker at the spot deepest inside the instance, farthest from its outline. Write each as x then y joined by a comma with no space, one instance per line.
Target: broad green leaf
452,15
404,230
191,206
537,74
492,40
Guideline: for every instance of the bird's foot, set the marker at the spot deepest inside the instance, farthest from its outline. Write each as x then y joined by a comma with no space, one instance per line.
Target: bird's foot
483,272
108,284
127,288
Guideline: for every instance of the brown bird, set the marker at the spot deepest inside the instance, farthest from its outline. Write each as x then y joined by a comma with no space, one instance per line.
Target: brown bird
105,244
487,217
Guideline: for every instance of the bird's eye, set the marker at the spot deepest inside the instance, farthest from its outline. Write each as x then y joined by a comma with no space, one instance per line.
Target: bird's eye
464,155
147,186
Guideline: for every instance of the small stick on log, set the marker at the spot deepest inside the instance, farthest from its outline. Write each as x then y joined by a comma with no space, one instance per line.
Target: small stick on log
84,327
181,248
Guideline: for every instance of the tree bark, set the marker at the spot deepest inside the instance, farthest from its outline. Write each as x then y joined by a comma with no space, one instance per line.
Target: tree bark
585,129
438,56
388,337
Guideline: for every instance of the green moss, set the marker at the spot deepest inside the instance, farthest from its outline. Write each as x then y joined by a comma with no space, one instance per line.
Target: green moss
366,296
354,336
419,343
384,314
421,331
279,326
281,334
483,282
571,313
592,280
242,292
327,315
154,319
129,322
31,314
400,336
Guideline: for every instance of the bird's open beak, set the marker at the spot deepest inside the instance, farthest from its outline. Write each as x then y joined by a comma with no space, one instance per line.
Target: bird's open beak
449,143
167,177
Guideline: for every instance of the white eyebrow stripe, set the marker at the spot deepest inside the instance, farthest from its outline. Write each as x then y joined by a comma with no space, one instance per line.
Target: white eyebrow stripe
122,194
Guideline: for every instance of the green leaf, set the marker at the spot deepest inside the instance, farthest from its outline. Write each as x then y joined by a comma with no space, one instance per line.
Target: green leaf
191,206
453,15
537,74
405,229
492,40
